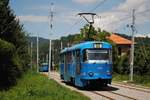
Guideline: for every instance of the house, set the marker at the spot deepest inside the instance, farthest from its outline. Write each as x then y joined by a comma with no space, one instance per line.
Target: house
123,44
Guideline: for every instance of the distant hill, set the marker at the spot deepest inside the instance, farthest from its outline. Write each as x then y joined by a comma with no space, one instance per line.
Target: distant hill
42,41
43,47
139,40
143,40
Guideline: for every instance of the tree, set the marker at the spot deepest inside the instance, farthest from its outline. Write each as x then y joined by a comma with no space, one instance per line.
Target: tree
9,64
85,32
13,36
142,59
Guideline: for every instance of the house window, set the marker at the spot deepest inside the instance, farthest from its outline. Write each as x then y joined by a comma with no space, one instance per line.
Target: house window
119,50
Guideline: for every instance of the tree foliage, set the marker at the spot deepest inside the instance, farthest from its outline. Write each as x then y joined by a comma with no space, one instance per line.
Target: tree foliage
10,67
13,48
142,59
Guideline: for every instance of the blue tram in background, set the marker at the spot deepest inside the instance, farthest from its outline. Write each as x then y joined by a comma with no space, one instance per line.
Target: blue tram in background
43,67
87,63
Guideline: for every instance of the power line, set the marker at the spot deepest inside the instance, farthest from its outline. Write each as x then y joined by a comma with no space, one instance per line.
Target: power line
120,20
91,22
79,20
73,25
98,5
129,16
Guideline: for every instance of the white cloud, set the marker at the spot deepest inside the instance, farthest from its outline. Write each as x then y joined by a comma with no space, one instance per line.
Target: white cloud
61,15
65,15
139,5
39,8
110,21
32,18
85,1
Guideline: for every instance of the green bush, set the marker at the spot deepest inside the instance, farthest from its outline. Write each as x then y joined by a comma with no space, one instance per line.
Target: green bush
120,62
9,65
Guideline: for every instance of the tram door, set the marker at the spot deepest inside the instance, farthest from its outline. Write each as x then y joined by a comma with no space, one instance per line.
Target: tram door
78,64
65,64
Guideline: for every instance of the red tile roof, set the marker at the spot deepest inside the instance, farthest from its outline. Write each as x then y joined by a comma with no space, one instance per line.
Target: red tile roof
119,40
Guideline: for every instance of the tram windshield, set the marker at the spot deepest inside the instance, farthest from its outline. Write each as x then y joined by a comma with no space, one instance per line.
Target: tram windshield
96,55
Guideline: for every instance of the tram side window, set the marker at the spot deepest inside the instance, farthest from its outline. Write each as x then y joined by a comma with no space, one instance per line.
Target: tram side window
110,55
73,56
69,57
78,66
62,58
78,55
84,55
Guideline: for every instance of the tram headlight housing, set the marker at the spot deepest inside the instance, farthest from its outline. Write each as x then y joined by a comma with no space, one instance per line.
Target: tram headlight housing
91,74
108,72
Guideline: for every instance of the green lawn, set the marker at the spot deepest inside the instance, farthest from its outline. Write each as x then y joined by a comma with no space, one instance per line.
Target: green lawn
138,80
34,86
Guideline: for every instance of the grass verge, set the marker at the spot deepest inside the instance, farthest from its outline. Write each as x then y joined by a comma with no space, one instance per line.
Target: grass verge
138,80
34,86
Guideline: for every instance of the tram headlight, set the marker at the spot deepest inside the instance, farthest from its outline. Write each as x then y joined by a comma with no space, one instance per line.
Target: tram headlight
108,72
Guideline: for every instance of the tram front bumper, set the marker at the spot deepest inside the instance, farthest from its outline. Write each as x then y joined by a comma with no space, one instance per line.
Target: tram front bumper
92,75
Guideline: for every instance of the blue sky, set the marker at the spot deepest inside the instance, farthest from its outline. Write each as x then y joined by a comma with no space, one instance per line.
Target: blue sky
33,14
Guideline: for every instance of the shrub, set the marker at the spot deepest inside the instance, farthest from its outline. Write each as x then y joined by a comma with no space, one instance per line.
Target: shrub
9,65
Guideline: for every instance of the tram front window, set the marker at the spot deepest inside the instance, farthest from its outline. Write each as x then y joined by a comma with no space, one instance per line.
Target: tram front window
96,56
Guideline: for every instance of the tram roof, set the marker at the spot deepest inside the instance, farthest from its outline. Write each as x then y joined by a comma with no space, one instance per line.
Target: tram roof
87,44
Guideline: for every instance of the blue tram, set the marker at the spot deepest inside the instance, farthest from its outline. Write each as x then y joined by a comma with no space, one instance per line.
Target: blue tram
87,63
43,67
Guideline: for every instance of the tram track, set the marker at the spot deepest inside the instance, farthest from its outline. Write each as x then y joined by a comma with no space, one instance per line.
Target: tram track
102,95
122,95
129,87
105,96
130,84
94,92
118,94
106,93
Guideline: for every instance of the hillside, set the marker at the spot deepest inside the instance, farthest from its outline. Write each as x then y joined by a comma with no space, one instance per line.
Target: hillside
41,40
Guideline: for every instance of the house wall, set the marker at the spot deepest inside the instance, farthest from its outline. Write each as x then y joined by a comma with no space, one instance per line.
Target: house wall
123,49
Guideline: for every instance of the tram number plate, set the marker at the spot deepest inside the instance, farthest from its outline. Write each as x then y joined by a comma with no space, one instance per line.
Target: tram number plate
97,45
